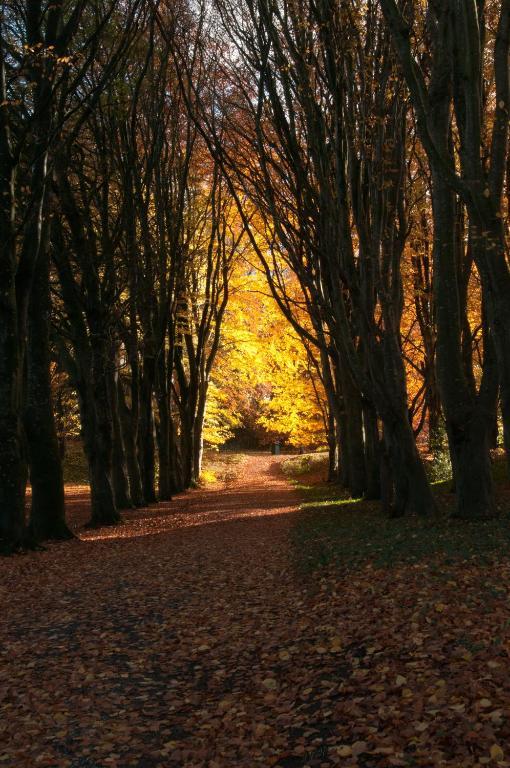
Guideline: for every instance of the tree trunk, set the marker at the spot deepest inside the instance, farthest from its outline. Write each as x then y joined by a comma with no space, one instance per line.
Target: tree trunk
12,472
498,315
198,430
12,489
372,452
466,421
146,446
97,434
186,450
331,436
131,451
342,460
47,516
164,457
386,478
412,493
163,433
120,478
12,486
354,434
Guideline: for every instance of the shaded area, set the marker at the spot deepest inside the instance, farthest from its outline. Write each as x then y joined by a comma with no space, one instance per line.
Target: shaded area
204,647
349,533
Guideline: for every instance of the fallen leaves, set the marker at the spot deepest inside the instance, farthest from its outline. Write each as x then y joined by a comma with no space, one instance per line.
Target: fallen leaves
202,647
497,753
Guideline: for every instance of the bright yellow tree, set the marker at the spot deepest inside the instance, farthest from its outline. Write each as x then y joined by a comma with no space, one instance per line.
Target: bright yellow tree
263,377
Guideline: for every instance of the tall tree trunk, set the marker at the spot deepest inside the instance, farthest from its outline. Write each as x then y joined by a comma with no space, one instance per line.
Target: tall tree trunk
497,291
354,433
386,477
47,516
12,489
12,473
120,477
146,447
342,460
412,494
131,449
331,436
198,430
466,421
163,432
98,432
372,452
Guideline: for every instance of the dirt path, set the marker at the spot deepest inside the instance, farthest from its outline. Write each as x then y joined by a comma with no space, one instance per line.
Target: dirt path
186,637
154,644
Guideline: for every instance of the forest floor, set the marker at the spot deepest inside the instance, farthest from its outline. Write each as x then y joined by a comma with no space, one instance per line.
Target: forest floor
218,631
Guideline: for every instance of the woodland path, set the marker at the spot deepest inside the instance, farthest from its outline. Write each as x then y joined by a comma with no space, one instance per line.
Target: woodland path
148,644
188,637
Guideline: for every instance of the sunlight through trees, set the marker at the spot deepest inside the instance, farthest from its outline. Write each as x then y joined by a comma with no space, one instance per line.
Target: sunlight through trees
249,220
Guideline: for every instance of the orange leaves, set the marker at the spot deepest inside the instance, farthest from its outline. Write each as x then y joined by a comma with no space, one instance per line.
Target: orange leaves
263,378
204,647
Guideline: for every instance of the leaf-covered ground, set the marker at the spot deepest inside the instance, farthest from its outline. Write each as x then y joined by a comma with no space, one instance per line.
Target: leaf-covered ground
191,636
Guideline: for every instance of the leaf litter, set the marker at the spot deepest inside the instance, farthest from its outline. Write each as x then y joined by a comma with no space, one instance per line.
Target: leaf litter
187,637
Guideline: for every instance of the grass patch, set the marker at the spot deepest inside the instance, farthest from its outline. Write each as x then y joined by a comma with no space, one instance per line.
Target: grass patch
346,533
304,464
220,467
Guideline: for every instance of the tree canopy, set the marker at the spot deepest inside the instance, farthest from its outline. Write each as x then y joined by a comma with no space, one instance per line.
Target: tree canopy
250,220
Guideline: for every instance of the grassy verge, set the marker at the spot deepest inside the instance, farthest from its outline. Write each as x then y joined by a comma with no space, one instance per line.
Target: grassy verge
220,467
305,464
335,530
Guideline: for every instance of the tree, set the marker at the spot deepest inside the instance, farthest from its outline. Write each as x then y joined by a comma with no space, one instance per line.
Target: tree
452,86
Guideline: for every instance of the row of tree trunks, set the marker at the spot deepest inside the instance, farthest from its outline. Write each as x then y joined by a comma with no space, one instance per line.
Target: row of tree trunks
451,84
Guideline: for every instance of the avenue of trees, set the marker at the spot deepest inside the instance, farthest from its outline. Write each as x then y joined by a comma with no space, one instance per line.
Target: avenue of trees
353,152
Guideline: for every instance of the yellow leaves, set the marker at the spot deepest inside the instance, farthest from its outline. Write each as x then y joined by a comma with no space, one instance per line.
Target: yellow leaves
270,683
400,681
440,607
354,749
262,377
336,645
497,753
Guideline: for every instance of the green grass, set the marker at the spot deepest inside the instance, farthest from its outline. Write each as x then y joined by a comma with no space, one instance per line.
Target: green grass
335,530
304,464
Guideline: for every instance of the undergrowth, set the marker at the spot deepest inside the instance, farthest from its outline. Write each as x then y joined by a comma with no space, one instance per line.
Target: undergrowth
334,530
